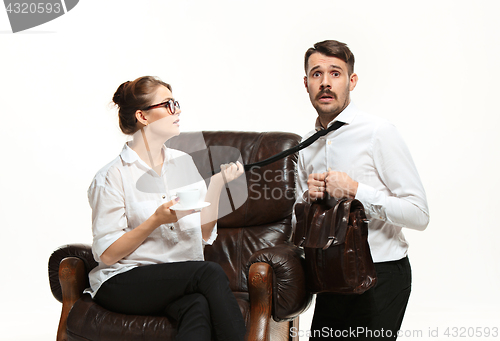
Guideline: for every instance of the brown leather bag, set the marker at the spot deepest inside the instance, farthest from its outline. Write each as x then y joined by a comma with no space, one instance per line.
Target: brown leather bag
337,253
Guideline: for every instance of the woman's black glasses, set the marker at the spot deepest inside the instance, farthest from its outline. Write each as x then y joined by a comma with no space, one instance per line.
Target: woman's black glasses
172,105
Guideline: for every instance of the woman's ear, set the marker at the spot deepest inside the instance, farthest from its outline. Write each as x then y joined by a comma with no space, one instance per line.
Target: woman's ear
141,117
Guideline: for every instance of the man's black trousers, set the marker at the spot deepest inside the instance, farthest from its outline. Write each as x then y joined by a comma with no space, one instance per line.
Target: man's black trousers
376,314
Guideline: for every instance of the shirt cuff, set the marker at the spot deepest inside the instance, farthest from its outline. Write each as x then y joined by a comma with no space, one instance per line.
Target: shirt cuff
100,245
366,195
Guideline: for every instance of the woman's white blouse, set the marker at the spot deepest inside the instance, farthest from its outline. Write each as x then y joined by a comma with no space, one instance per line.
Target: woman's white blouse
125,193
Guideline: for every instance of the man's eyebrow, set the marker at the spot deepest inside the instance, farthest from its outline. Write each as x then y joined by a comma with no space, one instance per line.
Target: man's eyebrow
331,67
167,99
336,67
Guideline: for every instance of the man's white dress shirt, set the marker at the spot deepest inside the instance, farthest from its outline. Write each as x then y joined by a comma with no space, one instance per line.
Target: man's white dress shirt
371,151
125,193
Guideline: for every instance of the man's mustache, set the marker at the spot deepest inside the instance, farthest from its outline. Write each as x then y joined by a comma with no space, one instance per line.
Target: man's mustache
326,92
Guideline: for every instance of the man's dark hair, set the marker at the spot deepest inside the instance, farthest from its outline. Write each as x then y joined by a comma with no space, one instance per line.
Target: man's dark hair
332,48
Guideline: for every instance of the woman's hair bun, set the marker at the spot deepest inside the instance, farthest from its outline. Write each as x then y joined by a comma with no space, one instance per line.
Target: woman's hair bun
119,95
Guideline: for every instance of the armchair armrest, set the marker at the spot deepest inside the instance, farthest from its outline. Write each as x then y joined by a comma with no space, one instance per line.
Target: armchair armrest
73,279
81,251
290,297
68,276
260,280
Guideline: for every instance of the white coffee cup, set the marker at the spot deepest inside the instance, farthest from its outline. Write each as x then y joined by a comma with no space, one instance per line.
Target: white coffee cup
189,197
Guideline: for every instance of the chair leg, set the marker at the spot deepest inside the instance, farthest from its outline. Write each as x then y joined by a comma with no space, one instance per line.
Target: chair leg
260,288
72,275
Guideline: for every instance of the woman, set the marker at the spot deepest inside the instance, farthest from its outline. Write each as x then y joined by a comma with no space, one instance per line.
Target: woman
151,256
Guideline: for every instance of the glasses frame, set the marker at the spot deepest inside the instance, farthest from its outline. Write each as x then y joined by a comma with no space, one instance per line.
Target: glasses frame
172,106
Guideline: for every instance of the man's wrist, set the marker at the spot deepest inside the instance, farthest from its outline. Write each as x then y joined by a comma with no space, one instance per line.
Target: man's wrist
354,190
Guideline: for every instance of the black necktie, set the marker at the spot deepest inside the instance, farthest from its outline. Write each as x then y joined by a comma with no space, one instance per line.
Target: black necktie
336,125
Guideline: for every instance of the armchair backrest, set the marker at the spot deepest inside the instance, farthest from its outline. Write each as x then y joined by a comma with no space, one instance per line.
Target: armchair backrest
263,219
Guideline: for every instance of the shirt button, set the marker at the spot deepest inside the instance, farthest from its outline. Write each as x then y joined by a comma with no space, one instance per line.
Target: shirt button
329,142
171,227
163,197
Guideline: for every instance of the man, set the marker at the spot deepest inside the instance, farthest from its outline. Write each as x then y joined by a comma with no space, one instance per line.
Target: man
365,159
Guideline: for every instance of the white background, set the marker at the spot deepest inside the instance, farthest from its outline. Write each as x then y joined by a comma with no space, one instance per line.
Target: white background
430,67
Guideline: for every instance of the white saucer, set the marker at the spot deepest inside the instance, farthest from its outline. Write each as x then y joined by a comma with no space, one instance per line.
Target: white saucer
179,207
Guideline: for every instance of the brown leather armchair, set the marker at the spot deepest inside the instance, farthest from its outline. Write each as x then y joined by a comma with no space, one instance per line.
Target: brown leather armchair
265,271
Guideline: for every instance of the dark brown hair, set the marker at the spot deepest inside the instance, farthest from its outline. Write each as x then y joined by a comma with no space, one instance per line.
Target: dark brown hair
132,96
332,48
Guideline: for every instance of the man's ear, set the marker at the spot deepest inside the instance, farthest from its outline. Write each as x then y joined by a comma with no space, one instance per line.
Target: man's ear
305,83
141,118
353,80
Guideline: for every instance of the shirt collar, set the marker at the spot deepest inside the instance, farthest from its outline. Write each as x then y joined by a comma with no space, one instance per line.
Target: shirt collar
130,156
347,116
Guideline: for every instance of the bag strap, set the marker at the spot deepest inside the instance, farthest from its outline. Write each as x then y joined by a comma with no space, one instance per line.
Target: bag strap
344,225
331,233
341,215
336,125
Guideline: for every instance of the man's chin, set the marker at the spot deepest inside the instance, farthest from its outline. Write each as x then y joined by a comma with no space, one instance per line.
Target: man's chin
328,111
